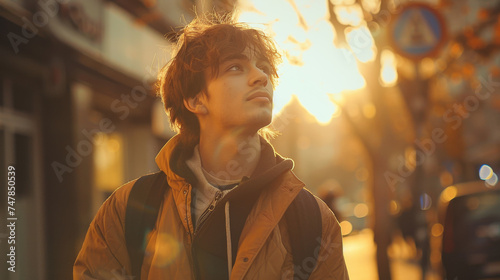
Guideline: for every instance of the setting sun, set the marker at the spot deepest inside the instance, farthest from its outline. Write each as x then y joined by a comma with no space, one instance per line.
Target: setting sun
313,67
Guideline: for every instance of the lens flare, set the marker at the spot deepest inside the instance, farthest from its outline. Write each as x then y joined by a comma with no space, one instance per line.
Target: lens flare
345,227
437,229
166,250
361,210
394,207
388,73
492,181
425,202
485,172
449,193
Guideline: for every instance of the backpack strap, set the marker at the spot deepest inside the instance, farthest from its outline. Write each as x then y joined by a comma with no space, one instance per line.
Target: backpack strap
303,219
143,206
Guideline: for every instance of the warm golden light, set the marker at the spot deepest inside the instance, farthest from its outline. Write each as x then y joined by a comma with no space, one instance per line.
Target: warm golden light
361,210
410,158
449,193
372,6
394,207
456,50
342,2
108,161
349,15
428,67
166,250
388,73
437,229
369,110
346,227
361,42
436,257
313,67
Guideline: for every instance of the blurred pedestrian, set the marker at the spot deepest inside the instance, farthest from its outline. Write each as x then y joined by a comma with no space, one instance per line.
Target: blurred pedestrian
330,197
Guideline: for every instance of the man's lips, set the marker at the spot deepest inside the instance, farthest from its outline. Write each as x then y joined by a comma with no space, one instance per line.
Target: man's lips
260,95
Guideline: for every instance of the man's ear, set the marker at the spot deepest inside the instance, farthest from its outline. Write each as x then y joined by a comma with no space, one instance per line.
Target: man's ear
196,105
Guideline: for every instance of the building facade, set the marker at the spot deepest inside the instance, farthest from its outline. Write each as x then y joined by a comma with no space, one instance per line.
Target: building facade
78,117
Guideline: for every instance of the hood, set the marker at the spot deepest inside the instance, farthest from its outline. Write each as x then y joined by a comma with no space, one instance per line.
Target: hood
172,161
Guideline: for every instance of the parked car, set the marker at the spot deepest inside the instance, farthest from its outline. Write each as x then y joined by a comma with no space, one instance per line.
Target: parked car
471,231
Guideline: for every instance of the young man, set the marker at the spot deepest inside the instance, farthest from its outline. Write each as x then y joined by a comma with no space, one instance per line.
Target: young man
224,215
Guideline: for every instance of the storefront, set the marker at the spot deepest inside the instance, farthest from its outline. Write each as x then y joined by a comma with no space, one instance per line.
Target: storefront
77,120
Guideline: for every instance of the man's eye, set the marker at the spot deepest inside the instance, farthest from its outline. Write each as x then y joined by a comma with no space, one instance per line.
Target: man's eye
234,68
265,68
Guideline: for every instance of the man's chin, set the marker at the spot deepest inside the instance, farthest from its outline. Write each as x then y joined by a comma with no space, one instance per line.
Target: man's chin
260,121
265,118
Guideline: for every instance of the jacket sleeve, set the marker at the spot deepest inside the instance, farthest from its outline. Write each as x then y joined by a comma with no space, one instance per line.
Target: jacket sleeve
104,253
330,260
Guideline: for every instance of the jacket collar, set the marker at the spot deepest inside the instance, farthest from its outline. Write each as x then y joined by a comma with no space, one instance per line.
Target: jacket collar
172,161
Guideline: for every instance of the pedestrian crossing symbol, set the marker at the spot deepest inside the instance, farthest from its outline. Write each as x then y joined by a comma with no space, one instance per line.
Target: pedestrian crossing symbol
417,31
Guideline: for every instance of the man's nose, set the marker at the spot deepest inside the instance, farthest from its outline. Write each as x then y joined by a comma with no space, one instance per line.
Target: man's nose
258,76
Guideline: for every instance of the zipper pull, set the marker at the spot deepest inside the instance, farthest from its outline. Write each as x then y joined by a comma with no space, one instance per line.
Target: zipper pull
218,195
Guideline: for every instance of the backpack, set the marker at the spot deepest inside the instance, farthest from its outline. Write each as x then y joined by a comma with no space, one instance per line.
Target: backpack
303,219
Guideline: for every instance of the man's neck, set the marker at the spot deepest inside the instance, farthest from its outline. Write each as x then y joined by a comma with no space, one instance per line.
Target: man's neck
229,156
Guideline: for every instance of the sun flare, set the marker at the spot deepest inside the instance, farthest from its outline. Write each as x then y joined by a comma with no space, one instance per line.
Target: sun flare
313,67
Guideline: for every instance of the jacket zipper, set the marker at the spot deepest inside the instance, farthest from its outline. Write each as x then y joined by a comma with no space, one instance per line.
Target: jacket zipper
203,217
208,211
193,266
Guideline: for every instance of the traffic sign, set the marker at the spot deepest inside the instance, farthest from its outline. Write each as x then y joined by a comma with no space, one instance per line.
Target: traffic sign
417,31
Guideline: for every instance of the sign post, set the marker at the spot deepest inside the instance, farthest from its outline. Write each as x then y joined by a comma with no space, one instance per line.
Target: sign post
416,32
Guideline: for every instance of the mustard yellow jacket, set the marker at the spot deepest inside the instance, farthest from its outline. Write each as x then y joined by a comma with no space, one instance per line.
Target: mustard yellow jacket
263,250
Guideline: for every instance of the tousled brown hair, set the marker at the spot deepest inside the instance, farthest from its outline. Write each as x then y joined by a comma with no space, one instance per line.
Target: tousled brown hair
202,44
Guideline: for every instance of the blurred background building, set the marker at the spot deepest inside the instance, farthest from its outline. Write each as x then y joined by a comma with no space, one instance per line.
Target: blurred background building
78,115
383,130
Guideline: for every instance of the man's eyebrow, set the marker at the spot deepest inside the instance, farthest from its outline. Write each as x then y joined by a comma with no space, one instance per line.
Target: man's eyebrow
235,57
241,56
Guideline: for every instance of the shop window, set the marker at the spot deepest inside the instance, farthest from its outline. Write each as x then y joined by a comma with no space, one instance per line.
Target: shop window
108,162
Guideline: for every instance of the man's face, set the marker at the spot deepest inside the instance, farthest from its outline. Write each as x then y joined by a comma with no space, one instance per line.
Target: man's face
241,96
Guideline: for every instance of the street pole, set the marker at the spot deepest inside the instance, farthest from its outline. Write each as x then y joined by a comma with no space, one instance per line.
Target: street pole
420,198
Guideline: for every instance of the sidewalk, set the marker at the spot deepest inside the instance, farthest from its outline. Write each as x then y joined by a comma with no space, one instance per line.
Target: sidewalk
359,253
